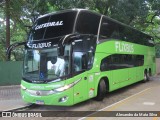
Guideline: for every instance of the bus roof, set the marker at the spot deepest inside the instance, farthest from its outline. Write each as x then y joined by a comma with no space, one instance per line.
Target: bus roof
89,11
73,21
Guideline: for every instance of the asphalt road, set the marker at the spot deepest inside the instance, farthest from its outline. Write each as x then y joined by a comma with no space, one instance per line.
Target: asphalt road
92,105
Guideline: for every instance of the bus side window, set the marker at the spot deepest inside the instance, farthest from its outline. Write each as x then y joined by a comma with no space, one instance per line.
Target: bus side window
139,60
105,64
89,25
108,29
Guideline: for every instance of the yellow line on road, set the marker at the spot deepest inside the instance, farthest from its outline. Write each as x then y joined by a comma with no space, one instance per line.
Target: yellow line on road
127,100
116,105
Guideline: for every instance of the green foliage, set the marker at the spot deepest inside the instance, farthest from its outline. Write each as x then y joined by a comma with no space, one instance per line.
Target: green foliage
143,15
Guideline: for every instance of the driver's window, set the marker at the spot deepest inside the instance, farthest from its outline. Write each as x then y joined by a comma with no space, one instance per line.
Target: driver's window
60,64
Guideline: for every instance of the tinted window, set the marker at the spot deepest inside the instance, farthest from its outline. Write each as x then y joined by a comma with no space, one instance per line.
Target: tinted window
84,47
87,23
67,27
139,60
84,43
111,29
53,26
121,61
108,29
38,34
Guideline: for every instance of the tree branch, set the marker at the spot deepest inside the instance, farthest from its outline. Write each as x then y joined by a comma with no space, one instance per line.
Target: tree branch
151,21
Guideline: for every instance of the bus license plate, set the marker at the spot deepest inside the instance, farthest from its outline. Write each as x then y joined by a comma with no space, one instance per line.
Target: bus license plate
40,102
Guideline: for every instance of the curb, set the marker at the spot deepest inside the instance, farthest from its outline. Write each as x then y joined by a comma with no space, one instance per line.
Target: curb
20,108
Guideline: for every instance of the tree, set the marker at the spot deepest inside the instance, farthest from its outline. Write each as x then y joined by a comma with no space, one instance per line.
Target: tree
143,15
7,7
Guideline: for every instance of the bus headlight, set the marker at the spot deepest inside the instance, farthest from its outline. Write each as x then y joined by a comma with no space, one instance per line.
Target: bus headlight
50,92
63,88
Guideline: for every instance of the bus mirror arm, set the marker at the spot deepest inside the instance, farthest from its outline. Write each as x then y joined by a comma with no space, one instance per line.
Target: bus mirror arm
60,50
11,47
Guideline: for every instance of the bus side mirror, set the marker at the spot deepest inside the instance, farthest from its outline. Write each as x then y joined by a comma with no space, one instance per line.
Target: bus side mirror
84,62
12,47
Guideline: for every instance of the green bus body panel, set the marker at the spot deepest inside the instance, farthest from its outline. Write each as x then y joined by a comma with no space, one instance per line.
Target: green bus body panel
109,47
78,93
123,77
49,99
87,86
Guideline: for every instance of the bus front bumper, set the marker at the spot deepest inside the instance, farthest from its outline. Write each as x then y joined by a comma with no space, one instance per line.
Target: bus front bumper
64,98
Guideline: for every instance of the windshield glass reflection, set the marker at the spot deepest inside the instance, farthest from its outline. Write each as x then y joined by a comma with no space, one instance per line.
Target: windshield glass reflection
45,64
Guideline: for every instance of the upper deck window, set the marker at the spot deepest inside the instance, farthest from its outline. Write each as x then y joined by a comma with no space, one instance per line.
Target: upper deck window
53,26
87,23
110,29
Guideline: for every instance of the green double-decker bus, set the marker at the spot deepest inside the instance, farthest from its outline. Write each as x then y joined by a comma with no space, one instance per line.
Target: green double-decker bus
75,55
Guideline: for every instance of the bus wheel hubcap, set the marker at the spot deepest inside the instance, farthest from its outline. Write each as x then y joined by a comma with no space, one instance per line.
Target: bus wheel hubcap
145,77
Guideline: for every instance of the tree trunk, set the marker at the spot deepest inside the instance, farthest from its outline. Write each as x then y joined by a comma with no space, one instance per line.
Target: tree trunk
7,24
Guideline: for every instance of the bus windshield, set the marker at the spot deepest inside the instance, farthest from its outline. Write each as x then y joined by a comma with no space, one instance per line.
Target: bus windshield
45,64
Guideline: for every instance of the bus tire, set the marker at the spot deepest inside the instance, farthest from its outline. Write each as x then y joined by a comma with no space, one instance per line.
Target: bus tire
101,92
149,74
146,78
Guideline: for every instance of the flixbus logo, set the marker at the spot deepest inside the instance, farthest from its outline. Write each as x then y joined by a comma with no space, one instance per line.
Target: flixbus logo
40,45
124,47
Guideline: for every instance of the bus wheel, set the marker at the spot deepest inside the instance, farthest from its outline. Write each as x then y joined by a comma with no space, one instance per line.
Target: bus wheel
146,78
101,91
150,74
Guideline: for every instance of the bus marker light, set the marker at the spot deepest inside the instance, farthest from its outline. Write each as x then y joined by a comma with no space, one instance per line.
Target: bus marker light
76,94
91,88
97,73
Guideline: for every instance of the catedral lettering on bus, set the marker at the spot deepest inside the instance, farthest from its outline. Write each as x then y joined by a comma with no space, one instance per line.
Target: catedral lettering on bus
75,55
49,24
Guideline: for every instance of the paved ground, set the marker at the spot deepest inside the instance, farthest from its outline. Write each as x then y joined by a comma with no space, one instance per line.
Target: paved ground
142,96
146,100
10,98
